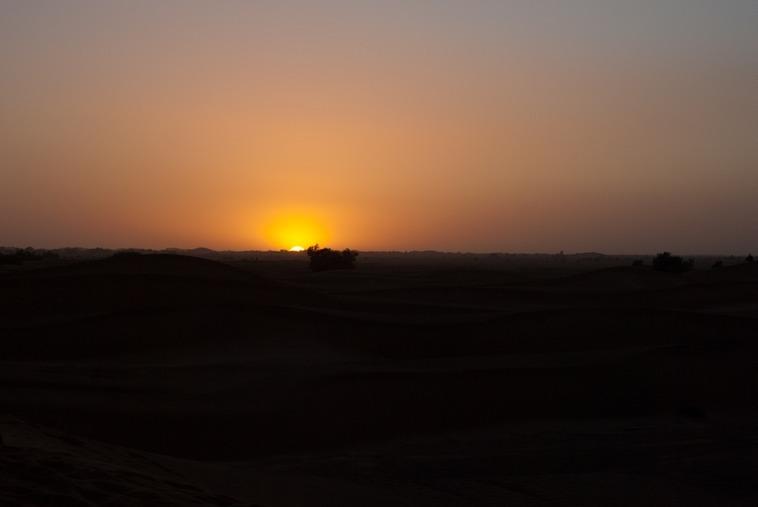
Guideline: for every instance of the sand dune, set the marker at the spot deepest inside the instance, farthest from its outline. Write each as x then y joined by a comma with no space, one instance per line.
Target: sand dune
620,386
41,466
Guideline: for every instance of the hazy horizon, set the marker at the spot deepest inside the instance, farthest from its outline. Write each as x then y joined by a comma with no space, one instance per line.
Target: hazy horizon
475,127
735,255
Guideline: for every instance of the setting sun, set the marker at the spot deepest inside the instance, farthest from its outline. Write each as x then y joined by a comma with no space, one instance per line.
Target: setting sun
378,250
295,231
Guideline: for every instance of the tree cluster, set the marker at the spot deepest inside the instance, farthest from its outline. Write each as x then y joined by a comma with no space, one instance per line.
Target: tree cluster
323,259
672,263
25,255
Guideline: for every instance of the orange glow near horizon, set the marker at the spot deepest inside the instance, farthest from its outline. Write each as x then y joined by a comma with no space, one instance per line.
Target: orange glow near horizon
514,126
302,231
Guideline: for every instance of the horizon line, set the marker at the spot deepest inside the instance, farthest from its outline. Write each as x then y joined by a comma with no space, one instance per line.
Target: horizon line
413,251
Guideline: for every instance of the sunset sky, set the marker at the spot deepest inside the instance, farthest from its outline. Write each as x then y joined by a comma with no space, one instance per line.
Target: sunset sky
518,126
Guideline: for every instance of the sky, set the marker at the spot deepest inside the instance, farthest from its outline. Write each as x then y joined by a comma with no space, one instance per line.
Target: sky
480,125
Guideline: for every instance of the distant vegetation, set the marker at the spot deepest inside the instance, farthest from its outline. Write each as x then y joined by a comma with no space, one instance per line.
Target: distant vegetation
671,263
749,259
126,254
25,255
323,259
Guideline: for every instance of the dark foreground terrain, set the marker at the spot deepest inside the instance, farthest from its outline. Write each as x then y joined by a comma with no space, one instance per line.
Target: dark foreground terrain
412,380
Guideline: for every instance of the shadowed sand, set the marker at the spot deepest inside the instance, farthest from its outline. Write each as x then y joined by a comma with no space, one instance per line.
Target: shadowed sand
404,383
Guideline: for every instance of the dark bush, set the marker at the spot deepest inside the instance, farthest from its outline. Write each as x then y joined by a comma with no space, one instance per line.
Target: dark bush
323,259
637,263
24,255
671,263
749,259
717,264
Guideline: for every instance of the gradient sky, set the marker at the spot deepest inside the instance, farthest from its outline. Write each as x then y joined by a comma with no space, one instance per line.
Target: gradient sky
453,125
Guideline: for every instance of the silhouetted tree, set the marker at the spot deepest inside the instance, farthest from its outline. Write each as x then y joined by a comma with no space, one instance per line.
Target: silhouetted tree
749,259
671,263
323,259
717,264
